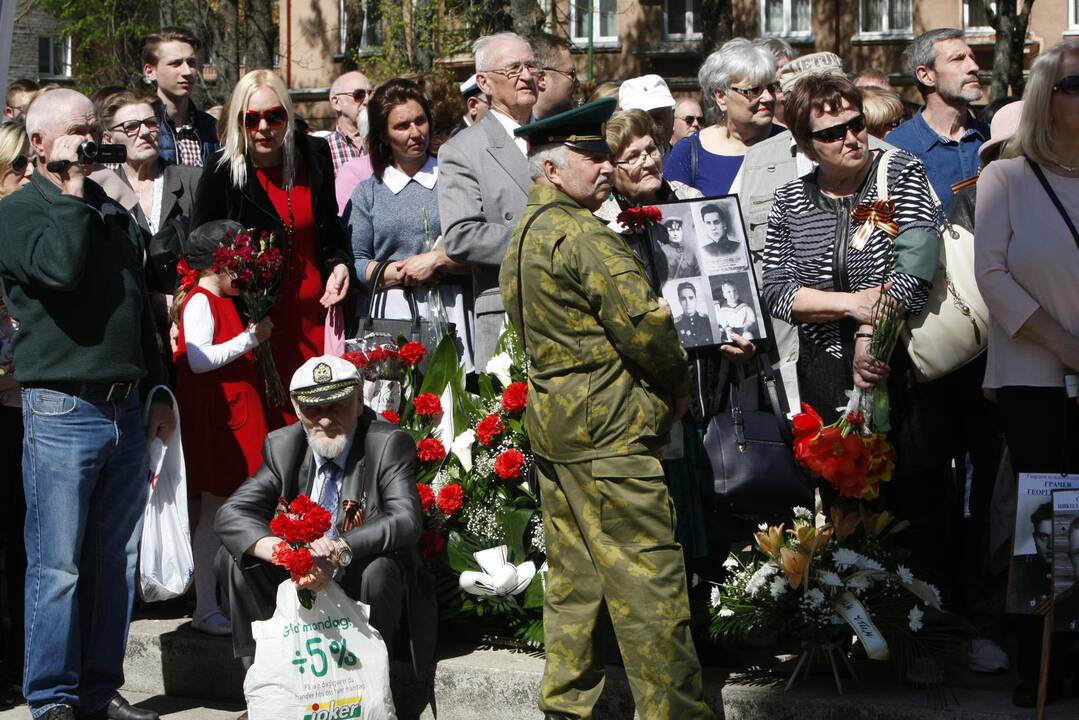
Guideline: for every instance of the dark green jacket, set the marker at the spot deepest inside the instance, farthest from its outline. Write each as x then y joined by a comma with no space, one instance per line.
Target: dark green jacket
71,271
605,361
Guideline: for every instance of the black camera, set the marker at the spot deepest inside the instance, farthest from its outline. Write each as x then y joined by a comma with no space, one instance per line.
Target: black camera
90,152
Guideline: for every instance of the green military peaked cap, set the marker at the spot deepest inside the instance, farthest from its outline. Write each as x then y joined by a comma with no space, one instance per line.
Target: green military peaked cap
581,128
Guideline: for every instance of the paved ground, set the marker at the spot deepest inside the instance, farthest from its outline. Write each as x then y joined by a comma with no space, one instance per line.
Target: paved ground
169,707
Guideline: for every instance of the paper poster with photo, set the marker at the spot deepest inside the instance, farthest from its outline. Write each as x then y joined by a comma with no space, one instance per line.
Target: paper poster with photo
1066,560
703,241
691,304
1030,577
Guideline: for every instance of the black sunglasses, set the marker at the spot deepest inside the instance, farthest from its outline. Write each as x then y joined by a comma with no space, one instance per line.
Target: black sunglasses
18,165
1068,86
838,132
274,117
358,94
690,119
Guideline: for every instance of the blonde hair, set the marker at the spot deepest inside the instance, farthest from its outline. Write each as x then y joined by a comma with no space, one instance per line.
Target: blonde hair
881,109
235,136
1034,137
12,140
625,126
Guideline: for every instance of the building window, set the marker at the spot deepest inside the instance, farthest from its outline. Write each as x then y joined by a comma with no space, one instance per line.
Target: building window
54,57
886,17
371,29
786,17
680,19
976,16
1073,15
604,20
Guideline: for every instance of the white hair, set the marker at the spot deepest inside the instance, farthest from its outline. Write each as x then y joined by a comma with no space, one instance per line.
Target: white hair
483,49
234,137
738,60
53,107
557,153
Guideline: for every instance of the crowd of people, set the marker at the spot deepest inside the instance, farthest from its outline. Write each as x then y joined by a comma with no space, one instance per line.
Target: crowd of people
425,190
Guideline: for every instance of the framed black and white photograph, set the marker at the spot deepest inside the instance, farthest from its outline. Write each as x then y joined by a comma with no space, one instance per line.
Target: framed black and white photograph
1066,560
703,242
1030,576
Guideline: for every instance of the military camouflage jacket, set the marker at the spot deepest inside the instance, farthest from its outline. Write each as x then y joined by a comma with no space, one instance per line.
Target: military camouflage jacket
605,361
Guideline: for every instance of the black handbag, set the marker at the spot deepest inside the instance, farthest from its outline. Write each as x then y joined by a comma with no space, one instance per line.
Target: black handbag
390,330
749,449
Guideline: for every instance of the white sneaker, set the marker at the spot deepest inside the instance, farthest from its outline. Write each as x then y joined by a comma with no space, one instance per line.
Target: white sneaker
986,656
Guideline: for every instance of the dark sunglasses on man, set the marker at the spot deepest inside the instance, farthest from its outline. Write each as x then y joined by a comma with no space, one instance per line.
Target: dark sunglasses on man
1068,86
275,117
358,95
690,119
838,132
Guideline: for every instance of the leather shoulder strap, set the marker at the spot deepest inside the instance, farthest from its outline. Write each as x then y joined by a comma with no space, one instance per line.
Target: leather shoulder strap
520,278
1056,200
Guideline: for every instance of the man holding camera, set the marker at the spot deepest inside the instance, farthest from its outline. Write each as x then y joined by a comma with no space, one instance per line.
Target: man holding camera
71,271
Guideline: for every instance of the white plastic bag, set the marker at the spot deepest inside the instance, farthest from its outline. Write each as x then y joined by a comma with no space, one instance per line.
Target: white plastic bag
165,562
319,664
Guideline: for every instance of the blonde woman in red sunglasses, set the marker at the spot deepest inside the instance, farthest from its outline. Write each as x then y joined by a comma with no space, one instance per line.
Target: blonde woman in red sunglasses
270,176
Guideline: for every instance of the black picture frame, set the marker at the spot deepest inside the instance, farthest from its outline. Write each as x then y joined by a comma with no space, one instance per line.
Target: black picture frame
700,244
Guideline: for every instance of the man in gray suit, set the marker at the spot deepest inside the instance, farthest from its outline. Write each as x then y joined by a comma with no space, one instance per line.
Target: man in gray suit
363,471
483,177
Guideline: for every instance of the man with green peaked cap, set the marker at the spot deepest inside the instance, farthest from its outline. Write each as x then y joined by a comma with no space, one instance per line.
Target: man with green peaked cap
606,376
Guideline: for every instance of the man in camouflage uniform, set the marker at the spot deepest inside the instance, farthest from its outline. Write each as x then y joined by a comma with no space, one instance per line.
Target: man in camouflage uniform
606,374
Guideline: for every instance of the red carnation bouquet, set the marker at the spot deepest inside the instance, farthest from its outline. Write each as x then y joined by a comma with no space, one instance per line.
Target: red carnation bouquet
854,460
640,218
254,263
299,524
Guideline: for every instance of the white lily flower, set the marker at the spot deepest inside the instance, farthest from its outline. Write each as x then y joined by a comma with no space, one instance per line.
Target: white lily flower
462,448
499,366
914,618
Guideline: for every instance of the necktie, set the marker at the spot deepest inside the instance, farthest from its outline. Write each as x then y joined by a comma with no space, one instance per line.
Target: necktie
331,491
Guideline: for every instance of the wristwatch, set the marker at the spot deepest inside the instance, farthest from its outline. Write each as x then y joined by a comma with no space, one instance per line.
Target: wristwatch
341,555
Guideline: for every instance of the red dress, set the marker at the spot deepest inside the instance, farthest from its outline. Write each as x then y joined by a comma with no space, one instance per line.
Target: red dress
298,332
222,412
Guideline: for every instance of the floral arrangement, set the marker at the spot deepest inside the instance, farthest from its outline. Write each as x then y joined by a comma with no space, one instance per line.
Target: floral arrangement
639,218
873,406
298,524
820,583
254,263
853,460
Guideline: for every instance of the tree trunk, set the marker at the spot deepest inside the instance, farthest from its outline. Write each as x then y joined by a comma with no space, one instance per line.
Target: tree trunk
1010,25
261,45
527,17
717,19
228,51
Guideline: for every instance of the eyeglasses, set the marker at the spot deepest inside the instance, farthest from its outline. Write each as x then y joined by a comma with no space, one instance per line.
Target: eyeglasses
18,165
756,91
637,161
514,71
690,119
571,74
131,127
1068,86
275,117
837,132
358,94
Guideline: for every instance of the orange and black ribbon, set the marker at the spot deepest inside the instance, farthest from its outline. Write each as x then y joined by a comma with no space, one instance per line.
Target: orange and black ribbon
351,515
877,214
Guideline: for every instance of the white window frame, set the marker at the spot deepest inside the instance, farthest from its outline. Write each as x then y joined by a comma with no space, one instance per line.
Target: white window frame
787,32
596,37
65,61
887,32
691,33
1073,17
975,28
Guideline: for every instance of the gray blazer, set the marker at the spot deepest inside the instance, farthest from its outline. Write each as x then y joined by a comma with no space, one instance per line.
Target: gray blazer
482,191
380,470
177,195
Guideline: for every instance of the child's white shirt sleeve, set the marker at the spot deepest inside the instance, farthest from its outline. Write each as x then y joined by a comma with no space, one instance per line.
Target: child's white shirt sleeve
202,355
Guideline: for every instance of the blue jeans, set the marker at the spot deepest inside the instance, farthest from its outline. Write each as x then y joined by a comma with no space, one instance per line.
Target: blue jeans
85,472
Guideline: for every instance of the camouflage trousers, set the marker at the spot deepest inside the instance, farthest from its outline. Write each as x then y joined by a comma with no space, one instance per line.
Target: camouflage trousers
611,539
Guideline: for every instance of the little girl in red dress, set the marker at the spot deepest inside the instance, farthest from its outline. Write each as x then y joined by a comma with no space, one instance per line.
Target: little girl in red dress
222,406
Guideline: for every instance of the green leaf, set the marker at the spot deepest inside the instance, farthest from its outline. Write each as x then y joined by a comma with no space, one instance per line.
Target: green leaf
533,597
487,390
515,524
443,366
459,553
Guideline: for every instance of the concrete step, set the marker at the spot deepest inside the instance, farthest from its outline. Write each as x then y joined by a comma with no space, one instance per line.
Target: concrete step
168,661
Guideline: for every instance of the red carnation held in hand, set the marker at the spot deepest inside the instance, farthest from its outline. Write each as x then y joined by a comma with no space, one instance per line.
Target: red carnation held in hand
298,562
430,450
427,496
515,397
391,416
413,352
427,404
450,499
510,464
489,428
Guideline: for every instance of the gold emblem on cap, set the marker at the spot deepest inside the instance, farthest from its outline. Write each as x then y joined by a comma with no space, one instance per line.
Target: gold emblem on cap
322,373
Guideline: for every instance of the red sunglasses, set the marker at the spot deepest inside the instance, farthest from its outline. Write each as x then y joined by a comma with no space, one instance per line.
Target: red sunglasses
275,117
